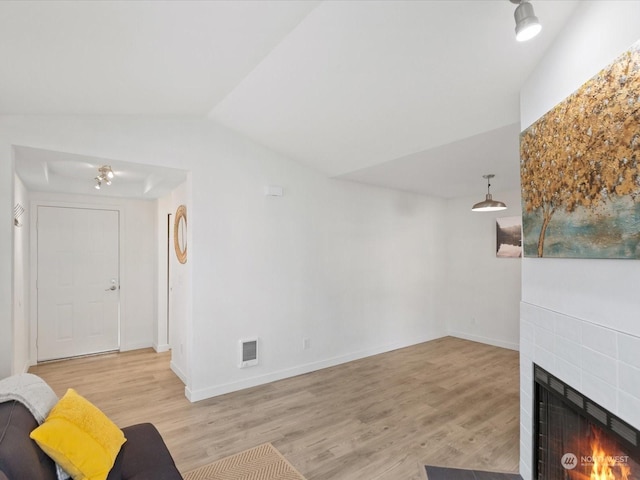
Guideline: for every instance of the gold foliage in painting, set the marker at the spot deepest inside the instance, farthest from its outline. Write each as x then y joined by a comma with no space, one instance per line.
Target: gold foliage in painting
585,150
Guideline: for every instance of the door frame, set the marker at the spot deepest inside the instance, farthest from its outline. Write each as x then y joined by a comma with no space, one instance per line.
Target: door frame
33,267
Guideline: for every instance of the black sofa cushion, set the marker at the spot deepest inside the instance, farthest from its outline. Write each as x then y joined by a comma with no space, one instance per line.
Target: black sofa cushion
20,457
145,455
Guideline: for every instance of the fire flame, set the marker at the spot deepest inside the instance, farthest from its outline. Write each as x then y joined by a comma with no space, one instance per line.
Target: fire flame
605,466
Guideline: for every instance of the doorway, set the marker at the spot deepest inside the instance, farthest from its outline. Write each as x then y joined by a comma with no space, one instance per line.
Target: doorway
78,281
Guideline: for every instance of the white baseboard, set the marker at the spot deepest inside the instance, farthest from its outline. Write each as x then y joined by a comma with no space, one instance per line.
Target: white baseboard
179,373
195,395
161,348
487,340
135,346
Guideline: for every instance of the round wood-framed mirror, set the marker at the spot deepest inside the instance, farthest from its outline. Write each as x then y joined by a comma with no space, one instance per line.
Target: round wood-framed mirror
180,234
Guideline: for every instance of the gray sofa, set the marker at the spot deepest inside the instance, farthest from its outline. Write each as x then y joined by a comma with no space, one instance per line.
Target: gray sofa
144,456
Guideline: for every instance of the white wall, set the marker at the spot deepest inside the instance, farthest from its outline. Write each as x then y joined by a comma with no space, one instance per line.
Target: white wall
179,284
139,263
161,333
21,283
579,318
6,260
353,268
138,307
483,291
356,269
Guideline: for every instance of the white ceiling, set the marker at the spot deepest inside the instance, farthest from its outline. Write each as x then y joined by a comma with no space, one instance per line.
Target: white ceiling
414,95
452,170
49,171
130,57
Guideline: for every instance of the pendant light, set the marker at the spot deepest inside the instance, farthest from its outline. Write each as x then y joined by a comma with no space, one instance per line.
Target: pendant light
489,204
527,24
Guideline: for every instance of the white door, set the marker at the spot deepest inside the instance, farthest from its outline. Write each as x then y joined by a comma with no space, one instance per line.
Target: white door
78,282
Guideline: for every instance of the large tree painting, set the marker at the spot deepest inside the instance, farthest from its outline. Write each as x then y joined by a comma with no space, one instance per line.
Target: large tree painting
580,169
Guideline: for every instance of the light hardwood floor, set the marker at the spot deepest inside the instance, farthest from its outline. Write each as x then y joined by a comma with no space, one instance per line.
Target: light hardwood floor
447,402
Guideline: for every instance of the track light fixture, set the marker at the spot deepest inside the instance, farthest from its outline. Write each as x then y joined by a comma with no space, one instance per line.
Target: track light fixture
105,174
527,24
488,204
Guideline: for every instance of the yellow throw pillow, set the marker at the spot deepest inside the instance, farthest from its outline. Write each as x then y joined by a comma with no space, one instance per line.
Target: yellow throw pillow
80,438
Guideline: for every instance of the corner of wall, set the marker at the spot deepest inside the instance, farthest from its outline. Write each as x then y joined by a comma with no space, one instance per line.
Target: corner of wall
6,260
21,281
574,294
482,291
161,348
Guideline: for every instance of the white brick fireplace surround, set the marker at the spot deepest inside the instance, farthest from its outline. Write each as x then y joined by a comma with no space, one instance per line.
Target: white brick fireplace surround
580,318
602,363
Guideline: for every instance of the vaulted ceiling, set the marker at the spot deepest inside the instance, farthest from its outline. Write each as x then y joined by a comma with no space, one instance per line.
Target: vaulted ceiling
416,95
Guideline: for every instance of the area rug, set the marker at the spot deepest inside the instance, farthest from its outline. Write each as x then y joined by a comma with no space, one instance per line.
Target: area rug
264,462
442,473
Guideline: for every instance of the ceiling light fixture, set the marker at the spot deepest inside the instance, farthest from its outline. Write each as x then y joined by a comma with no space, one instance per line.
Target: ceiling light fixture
489,204
527,24
105,174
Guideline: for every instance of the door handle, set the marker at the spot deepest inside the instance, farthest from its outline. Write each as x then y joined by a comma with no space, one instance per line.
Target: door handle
112,287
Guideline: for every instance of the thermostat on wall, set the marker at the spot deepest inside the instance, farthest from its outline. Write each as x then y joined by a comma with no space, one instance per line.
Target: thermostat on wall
248,352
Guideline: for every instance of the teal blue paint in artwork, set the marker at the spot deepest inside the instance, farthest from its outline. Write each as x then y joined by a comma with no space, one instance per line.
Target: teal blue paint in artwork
610,231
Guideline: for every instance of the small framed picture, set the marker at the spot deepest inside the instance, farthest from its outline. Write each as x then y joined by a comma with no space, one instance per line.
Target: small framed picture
509,237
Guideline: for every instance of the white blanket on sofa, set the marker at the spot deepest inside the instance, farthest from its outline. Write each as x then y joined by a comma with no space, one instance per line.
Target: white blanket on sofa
35,394
31,391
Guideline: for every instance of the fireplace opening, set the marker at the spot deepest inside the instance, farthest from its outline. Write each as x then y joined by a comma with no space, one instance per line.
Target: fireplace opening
577,439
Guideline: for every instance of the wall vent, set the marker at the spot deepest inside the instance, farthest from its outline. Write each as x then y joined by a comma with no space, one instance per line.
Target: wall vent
248,352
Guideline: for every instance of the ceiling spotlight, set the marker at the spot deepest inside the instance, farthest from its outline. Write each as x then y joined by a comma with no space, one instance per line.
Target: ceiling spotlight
105,171
489,204
105,174
527,24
